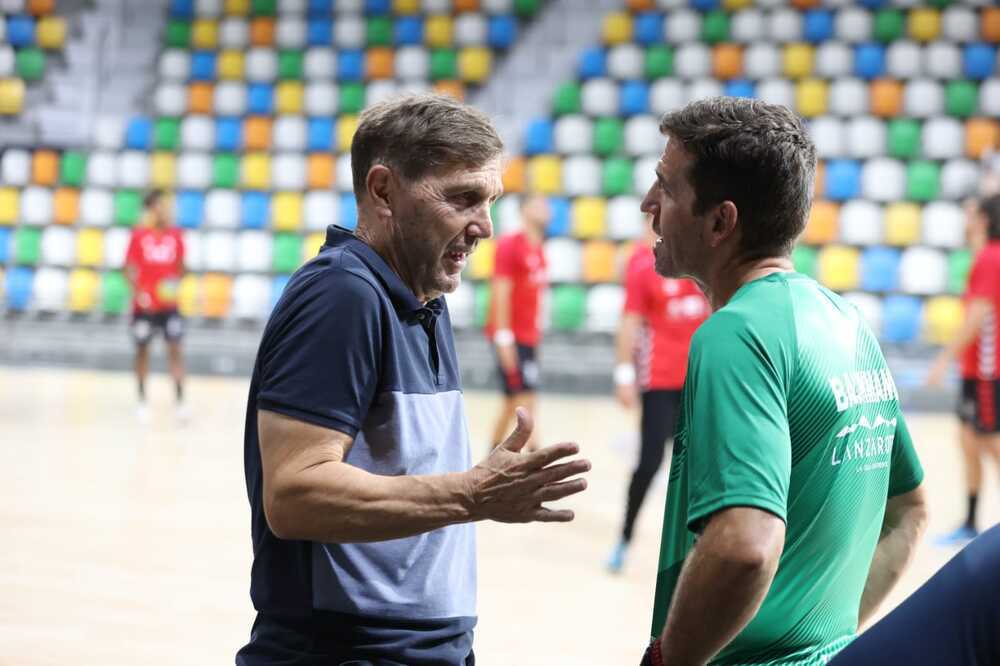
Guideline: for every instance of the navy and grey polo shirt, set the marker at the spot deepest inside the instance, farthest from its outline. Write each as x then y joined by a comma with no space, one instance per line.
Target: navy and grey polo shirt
349,347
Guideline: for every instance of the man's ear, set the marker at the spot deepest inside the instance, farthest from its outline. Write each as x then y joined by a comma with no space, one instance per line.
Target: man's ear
379,185
725,220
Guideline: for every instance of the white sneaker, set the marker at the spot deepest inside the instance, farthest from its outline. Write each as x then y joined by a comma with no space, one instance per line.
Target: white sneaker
183,413
142,414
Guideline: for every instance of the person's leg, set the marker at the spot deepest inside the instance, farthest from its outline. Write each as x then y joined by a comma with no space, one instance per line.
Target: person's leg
954,618
142,333
971,448
173,332
527,360
141,369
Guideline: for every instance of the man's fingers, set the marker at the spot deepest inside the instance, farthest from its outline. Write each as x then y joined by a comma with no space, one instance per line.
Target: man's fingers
522,431
548,455
549,516
557,491
564,471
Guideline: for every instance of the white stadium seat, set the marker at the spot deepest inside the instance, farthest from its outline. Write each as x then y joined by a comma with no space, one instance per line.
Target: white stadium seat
625,220
829,136
320,208
222,209
861,222
959,179
692,61
626,61
194,170
866,137
198,132
102,169
261,65
50,289
581,176
254,251
289,171
97,207
642,136
175,65
604,308
116,243
230,98
762,60
834,59
319,63
133,169
234,33
784,25
883,180
904,60
848,97
58,246
289,134
170,99
599,97
220,250
109,132
573,134
36,206
923,98
942,138
943,224
15,167
251,297
923,271
564,259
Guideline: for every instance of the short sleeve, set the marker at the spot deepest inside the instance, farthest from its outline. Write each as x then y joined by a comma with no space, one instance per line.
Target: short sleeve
505,261
739,445
982,280
906,472
635,292
320,362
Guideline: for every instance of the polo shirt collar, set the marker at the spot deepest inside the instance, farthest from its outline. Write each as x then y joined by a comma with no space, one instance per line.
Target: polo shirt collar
403,298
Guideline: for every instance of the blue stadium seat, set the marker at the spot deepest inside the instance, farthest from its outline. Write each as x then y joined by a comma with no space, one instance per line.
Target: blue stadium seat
139,134
410,30
348,211
19,280
901,318
260,98
320,8
256,209
21,30
880,269
560,222
319,32
634,98
538,138
740,88
869,61
592,63
228,134
190,209
977,61
377,6
818,25
351,65
182,8
4,245
648,28
320,134
873,4
705,5
203,66
502,31
843,180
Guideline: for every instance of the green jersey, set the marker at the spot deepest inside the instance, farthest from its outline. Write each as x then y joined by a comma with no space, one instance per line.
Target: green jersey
789,407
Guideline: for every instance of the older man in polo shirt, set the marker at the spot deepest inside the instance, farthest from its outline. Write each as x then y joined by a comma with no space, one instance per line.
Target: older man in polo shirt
356,449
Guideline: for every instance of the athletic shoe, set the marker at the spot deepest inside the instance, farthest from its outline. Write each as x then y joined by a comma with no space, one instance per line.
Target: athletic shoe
617,559
142,413
959,537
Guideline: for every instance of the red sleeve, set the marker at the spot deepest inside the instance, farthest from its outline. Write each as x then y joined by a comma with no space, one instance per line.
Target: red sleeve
982,280
132,257
635,291
505,261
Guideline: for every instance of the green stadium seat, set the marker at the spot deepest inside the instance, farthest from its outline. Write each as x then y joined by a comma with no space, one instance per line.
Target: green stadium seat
352,97
178,34
609,136
379,31
617,176
959,264
290,65
225,170
804,260
889,24
569,307
923,180
715,27
526,8
72,168
960,98
128,207
659,62
27,245
264,7
30,64
566,99
287,252
115,293
904,138
482,303
444,65
166,133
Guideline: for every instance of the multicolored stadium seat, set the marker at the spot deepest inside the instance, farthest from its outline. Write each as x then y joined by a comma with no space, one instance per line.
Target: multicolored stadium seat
29,30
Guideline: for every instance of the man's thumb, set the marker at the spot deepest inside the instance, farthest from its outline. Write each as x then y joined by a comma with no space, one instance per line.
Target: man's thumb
522,431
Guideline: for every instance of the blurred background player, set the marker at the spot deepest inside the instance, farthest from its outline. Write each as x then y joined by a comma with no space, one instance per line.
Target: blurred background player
978,343
519,279
660,316
154,265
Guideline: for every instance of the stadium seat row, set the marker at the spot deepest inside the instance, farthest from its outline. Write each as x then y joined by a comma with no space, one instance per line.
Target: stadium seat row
23,31
349,32
861,222
832,59
328,8
789,24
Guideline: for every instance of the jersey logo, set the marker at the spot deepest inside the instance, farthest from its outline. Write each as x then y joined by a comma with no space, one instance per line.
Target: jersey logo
863,387
863,422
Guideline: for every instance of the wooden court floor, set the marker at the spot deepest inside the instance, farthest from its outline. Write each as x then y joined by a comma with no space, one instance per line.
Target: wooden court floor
125,544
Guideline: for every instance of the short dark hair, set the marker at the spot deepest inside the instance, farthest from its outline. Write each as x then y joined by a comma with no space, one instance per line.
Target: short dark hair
419,134
152,197
990,208
757,155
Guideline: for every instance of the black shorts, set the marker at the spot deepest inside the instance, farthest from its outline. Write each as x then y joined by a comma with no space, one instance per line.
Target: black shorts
145,325
525,378
979,405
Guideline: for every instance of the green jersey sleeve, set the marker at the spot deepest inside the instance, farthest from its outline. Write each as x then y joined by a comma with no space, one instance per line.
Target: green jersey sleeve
905,472
739,442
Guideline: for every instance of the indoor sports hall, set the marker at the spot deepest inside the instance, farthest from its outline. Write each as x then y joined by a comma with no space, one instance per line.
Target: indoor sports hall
126,534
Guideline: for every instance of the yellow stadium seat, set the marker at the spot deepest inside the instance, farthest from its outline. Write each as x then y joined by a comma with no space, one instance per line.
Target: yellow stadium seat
902,223
589,217
924,24
289,96
44,167
838,267
346,126
188,296
943,317
84,286
237,7
11,97
66,205
798,61
513,175
617,28
286,211
90,247
474,64
9,208
216,295
822,226
545,174
256,172
163,170
451,89
481,261
231,65
599,259
312,245
405,6
438,31
51,32
811,97
205,34
735,5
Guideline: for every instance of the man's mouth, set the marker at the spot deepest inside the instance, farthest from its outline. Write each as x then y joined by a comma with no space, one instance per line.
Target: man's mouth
457,257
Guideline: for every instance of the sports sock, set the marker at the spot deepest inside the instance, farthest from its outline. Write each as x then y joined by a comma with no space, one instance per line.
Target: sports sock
970,519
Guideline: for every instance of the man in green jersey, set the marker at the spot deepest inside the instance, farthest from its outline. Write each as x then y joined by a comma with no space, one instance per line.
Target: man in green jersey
794,500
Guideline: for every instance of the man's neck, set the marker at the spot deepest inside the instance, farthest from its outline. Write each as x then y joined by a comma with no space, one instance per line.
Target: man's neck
726,280
385,248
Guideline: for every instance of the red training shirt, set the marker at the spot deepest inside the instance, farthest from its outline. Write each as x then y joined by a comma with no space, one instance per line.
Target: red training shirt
523,263
980,358
672,310
158,258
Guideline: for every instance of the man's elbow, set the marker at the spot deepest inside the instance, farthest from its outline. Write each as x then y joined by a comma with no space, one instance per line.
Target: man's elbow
283,513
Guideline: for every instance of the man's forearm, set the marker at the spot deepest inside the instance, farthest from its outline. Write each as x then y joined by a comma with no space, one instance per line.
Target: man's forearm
335,502
895,549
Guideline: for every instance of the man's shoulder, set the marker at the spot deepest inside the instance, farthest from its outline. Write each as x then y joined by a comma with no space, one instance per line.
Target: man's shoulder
760,311
339,275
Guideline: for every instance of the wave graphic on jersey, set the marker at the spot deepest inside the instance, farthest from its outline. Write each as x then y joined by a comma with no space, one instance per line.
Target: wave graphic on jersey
863,422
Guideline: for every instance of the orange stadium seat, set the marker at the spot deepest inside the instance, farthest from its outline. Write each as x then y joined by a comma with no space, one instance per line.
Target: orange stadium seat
200,96
451,88
465,5
41,7
727,61
217,292
321,169
981,134
599,261
66,205
262,31
45,167
379,63
513,175
886,97
822,227
989,19
257,132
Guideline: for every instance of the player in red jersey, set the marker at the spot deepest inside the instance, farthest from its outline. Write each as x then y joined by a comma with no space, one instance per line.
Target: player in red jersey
154,265
660,316
519,280
978,343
